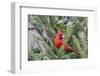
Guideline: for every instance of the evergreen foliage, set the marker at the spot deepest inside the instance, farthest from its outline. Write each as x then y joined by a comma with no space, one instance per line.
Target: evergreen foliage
75,32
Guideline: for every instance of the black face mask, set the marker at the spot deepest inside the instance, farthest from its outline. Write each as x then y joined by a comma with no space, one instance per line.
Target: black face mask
61,37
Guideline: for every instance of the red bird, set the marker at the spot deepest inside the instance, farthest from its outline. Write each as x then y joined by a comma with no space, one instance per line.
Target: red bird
58,40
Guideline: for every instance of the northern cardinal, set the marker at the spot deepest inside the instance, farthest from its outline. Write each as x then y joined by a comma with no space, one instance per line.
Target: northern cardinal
59,41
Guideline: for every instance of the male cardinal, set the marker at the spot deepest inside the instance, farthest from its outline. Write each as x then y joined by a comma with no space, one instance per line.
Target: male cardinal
59,41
